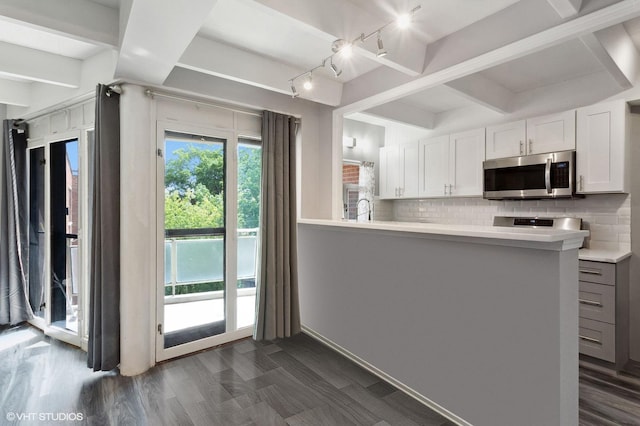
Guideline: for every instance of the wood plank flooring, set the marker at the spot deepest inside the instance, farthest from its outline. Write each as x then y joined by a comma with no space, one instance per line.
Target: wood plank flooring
295,381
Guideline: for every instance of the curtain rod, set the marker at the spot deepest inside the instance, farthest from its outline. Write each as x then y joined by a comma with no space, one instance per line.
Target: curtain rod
59,106
153,93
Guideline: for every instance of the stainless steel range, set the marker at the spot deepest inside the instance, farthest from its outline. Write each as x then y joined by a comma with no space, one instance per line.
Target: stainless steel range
567,223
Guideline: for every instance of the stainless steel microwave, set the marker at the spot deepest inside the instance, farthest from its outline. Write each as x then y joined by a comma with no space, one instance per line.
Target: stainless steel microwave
537,176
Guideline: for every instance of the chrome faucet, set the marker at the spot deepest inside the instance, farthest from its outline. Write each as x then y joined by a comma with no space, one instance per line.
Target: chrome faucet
368,207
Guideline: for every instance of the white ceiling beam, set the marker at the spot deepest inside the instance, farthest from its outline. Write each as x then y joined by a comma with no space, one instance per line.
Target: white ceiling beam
484,91
14,93
595,21
156,35
36,65
615,50
566,8
79,19
338,19
222,60
401,112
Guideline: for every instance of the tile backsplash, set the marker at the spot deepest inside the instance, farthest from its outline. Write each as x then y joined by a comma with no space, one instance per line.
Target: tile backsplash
606,216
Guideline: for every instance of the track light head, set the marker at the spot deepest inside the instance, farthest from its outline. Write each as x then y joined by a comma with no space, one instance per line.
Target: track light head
335,69
294,92
404,20
381,50
308,84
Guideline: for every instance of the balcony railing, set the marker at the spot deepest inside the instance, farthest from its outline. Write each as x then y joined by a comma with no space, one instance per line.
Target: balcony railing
194,264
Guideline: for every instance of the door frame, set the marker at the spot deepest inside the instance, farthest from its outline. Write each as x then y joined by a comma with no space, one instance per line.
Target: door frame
231,238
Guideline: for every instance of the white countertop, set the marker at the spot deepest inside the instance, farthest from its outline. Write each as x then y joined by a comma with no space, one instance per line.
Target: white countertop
603,255
550,239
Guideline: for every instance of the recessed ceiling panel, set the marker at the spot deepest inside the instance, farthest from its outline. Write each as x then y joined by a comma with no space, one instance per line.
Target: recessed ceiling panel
437,18
11,32
554,65
254,28
436,100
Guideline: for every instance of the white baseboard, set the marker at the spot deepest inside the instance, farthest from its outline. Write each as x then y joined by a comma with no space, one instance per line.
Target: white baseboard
387,378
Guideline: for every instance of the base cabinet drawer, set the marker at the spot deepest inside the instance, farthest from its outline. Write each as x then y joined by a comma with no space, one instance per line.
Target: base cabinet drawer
597,272
597,339
597,302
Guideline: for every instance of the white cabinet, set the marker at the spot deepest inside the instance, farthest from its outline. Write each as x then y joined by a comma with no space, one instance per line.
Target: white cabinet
555,132
550,133
602,148
506,140
434,167
399,171
452,165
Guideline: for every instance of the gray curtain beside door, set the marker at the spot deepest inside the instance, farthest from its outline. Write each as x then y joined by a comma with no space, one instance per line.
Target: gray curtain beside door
104,284
14,218
277,306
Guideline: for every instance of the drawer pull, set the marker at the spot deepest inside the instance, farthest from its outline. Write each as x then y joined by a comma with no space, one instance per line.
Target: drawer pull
590,339
590,302
590,271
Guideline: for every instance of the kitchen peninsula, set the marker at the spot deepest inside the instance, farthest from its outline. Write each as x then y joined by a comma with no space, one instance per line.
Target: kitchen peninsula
478,322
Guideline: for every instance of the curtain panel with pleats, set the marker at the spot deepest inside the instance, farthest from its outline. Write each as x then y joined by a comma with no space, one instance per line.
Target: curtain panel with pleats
104,284
14,217
277,306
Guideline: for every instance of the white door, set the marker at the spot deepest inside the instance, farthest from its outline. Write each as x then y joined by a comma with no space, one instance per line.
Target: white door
601,142
408,170
551,133
208,196
466,157
506,140
434,167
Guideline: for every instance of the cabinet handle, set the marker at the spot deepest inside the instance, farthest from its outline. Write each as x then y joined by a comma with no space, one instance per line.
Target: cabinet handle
581,183
445,189
450,188
521,148
590,271
590,339
590,303
530,146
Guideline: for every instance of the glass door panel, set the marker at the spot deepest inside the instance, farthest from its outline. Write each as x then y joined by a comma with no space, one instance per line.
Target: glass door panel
194,231
249,178
37,229
64,226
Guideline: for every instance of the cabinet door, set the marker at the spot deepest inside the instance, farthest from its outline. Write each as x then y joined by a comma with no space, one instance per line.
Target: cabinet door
556,132
601,145
389,172
434,167
506,140
466,153
408,169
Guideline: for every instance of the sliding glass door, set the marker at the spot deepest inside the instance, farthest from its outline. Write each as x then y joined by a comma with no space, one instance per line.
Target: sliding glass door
208,239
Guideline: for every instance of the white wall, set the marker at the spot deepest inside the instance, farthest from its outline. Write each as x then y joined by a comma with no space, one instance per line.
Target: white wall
369,140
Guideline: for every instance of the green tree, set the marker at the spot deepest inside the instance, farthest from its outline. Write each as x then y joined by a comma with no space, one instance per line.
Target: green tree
249,168
194,166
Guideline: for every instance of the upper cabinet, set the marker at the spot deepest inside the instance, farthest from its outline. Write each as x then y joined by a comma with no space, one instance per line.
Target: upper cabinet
452,165
602,148
555,132
506,140
550,133
399,171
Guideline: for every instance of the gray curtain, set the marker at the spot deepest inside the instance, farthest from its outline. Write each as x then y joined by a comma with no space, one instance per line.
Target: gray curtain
277,307
14,236
104,285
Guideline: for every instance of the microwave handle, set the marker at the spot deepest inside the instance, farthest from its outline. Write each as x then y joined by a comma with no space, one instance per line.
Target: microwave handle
547,176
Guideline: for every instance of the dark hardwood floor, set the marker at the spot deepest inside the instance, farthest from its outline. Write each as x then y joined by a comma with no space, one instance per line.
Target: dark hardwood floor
295,381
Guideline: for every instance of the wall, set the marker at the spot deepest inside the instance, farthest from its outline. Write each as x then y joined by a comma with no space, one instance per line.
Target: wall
634,284
369,139
607,216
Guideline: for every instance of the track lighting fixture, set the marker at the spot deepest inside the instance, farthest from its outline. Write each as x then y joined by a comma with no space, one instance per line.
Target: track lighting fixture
345,48
381,50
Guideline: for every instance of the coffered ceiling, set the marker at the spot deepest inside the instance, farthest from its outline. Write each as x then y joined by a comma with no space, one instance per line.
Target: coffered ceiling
492,54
